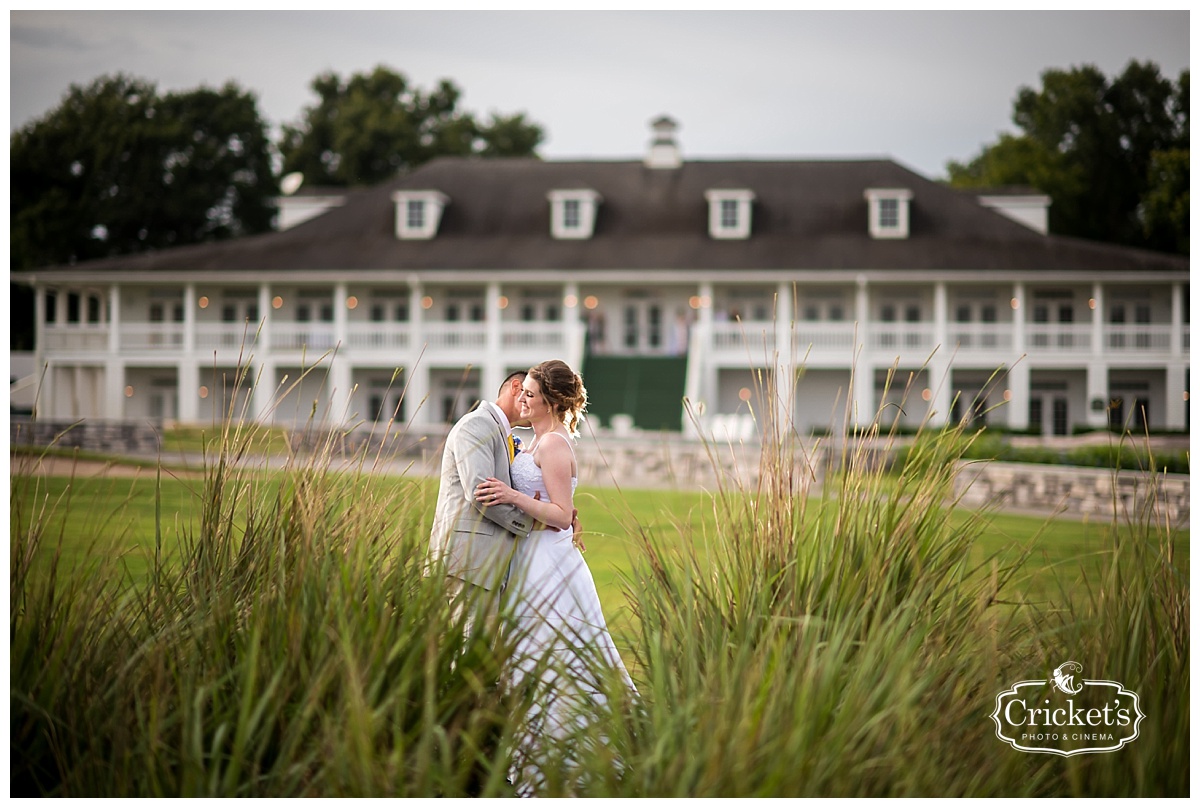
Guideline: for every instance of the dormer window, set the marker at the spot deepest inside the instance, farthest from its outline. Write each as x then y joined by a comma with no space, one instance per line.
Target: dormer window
573,213
888,212
729,212
418,213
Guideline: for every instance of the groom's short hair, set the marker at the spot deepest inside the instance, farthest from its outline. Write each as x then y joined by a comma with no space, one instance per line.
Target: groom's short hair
516,374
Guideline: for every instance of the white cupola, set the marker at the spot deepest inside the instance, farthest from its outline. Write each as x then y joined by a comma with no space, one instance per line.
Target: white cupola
664,150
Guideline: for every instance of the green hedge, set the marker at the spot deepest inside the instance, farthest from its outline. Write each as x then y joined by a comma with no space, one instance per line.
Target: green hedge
1124,456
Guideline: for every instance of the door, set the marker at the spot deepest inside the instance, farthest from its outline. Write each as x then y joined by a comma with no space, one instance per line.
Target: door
164,400
642,326
239,312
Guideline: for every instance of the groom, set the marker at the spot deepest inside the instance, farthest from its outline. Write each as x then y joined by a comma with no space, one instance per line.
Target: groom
476,542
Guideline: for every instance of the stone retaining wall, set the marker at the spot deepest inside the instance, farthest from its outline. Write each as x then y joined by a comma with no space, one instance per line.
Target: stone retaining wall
1078,491
116,437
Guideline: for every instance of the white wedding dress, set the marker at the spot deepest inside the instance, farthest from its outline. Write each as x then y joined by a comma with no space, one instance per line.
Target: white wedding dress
562,635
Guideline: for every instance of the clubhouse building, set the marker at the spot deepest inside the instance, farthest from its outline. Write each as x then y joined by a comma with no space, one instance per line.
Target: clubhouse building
660,279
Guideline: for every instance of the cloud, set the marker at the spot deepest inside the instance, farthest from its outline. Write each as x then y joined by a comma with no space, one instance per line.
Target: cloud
46,38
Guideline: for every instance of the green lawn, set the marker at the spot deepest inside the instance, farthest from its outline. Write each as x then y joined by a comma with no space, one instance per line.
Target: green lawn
118,515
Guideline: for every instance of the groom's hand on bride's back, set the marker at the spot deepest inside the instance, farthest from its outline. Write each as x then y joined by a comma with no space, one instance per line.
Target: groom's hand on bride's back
576,528
577,531
537,497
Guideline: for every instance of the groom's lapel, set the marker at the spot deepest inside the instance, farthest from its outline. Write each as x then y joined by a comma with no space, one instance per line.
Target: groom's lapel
505,436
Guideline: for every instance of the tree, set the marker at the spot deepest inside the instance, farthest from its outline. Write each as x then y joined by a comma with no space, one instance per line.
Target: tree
366,129
118,169
1107,153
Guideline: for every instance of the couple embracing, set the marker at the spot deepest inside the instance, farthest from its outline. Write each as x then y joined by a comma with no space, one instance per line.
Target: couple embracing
505,523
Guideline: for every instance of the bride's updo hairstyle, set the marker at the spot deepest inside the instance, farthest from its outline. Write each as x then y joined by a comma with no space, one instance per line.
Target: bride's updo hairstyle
563,390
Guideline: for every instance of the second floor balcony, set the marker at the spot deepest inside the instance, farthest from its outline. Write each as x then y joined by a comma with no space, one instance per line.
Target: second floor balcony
730,342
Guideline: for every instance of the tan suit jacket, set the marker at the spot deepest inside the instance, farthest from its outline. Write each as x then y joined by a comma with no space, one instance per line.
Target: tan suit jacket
473,541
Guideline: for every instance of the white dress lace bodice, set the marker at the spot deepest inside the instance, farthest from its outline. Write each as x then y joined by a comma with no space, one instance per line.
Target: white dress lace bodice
527,477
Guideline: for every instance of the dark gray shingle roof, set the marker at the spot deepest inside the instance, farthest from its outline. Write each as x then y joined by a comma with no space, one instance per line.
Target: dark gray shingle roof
807,215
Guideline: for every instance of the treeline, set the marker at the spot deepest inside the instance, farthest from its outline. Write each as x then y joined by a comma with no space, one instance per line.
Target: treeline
1113,155
118,167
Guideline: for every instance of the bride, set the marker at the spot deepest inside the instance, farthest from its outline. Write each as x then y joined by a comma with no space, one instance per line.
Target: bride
554,599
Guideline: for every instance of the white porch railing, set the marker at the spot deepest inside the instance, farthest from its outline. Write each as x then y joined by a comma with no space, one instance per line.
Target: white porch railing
980,336
151,336
1137,337
835,337
901,336
1058,336
547,336
744,340
379,336
302,337
77,338
225,336
455,336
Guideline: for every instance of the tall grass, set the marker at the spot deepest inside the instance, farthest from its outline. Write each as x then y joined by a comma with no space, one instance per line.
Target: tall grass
287,642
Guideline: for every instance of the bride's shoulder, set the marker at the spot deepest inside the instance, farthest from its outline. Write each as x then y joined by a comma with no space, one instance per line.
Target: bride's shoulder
555,449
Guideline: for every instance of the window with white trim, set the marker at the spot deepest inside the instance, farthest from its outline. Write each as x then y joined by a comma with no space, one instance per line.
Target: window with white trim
573,212
888,212
418,213
729,212
571,220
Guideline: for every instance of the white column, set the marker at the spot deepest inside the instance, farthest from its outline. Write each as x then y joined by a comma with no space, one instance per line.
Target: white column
114,320
189,390
39,324
262,378
340,410
340,316
1177,368
1020,372
1176,406
697,386
416,312
1097,388
785,363
941,319
39,349
574,329
1098,324
262,372
1019,387
864,370
939,363
60,306
862,309
44,402
265,316
491,372
1176,319
1018,318
189,327
77,388
417,406
114,388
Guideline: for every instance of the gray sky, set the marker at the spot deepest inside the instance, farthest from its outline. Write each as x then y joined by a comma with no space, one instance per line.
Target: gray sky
920,87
